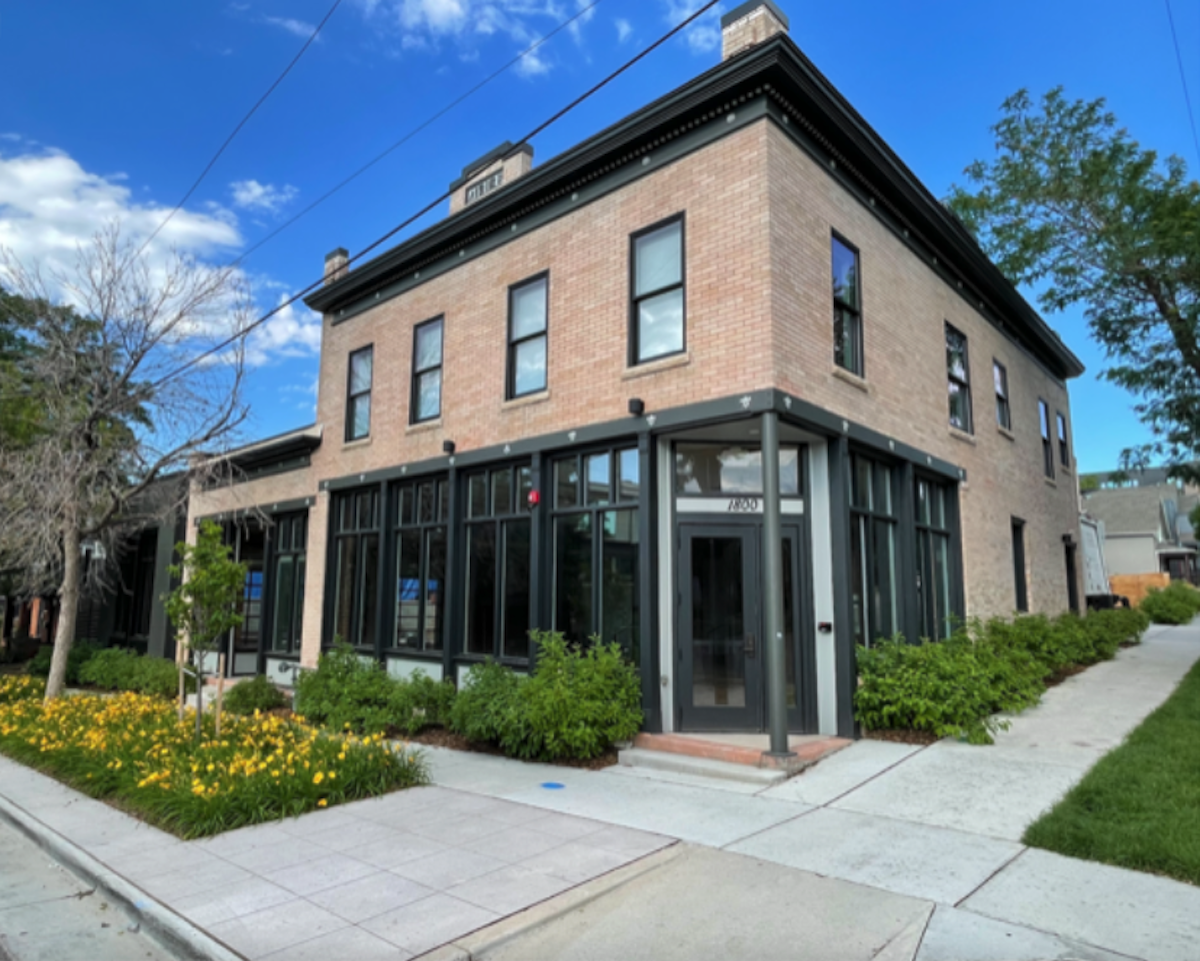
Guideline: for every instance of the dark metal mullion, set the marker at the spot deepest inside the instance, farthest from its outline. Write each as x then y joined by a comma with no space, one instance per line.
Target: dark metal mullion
266,618
647,578
455,575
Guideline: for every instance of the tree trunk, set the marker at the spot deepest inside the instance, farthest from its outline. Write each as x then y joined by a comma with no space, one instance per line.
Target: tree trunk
68,610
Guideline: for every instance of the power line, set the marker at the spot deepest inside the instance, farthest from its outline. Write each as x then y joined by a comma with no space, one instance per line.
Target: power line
441,198
412,133
1183,80
241,123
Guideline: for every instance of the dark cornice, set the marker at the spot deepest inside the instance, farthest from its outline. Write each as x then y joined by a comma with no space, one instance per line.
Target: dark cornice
835,132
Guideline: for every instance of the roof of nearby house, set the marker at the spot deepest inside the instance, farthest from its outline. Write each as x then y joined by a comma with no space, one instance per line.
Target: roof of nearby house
1133,510
824,120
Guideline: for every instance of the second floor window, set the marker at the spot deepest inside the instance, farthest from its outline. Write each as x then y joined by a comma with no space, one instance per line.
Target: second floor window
358,400
847,313
1047,443
1064,449
427,371
1003,412
527,337
657,320
958,376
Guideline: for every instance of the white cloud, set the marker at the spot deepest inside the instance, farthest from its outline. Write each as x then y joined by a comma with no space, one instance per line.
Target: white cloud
299,28
585,14
532,64
704,35
624,30
251,195
293,332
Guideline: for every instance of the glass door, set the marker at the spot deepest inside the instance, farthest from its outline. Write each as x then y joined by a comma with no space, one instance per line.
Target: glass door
720,652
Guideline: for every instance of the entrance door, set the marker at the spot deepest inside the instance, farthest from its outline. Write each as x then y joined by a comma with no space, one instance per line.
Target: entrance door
719,641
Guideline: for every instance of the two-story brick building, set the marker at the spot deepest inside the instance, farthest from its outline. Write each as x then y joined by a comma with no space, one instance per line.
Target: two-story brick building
547,410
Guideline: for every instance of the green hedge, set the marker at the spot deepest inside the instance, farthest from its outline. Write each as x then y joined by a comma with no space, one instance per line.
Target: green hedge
954,687
1175,604
119,669
81,652
575,704
257,694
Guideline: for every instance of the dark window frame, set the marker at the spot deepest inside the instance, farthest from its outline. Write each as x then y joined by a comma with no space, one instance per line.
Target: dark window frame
1047,439
288,539
928,535
510,386
864,520
1064,444
416,375
1020,577
841,307
635,298
964,385
426,528
1003,403
360,533
351,397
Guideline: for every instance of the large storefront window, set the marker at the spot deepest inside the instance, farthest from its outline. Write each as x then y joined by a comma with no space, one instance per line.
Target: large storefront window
290,553
498,550
421,510
933,557
356,567
596,547
723,469
872,549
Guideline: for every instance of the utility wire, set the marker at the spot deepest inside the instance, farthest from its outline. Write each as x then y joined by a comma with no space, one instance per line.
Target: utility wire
412,133
241,123
1183,80
441,198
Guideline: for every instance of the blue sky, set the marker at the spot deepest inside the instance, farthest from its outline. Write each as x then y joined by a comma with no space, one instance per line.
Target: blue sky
111,110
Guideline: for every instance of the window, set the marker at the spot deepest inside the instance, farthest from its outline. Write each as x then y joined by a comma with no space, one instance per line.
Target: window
723,469
422,509
358,400
1003,412
1018,553
933,510
498,550
1064,449
872,549
596,547
290,555
657,287
527,336
958,374
427,371
1047,442
356,567
847,313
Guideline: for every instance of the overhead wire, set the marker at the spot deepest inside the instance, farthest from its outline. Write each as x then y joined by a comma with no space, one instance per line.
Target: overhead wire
1187,99
540,128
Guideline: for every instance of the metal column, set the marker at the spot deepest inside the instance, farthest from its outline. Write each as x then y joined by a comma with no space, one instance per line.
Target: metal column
772,546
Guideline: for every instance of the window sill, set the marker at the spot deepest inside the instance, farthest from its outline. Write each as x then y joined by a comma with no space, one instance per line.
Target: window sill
1005,432
525,400
410,652
425,425
962,435
361,442
655,366
1050,481
851,378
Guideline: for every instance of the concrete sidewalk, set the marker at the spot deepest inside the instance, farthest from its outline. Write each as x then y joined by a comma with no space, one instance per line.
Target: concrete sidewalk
883,851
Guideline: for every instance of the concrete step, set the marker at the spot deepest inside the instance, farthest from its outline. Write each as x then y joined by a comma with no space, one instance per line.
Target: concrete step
699,766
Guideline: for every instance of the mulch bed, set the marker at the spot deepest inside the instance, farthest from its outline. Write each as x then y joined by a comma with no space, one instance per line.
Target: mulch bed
900,736
1059,676
440,737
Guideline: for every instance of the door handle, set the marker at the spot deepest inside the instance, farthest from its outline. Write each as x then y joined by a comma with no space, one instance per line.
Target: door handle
748,645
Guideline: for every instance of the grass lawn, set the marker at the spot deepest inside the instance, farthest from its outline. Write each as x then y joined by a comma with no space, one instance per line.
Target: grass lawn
1139,807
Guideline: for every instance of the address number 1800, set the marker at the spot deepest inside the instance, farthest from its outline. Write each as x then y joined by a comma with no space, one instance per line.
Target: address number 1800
743,505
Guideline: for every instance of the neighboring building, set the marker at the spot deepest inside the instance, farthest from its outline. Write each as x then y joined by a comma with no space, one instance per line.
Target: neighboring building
547,410
1146,528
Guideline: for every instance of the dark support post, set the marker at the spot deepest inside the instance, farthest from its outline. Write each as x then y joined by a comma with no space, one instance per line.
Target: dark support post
773,645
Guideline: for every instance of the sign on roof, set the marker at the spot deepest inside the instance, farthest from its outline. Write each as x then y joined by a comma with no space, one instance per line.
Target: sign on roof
485,186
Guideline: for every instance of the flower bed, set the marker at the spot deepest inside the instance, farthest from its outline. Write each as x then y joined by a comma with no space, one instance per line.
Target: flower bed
131,749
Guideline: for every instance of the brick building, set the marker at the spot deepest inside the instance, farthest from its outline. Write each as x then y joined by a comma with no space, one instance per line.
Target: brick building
548,410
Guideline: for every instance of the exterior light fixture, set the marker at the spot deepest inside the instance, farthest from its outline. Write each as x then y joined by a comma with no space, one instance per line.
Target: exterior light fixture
636,407
447,447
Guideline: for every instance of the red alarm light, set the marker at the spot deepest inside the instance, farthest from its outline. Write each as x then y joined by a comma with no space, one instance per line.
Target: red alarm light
534,498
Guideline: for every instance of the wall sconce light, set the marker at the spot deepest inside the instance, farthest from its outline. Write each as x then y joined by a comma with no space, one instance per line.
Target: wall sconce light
447,447
636,407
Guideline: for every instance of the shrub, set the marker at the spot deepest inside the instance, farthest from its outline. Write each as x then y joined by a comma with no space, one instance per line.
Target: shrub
80,653
118,669
575,704
257,694
346,691
1175,604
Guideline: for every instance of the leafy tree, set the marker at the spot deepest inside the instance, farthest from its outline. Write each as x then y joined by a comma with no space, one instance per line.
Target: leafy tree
1089,482
1075,207
203,607
111,352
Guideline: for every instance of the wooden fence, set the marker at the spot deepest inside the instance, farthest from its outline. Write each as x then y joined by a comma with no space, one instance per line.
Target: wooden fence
1136,586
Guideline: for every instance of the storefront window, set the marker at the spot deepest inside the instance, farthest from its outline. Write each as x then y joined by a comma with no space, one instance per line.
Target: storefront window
422,509
933,557
356,567
290,552
723,469
872,549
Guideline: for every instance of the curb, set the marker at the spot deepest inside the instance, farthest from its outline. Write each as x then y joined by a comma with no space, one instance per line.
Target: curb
178,935
479,943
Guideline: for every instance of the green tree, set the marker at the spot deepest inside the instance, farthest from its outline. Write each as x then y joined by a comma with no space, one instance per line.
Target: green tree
1074,207
1089,482
203,607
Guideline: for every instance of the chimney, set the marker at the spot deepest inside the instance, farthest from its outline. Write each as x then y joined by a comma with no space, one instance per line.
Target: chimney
489,173
749,25
337,265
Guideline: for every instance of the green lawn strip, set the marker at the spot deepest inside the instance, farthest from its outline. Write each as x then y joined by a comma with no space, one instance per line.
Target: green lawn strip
1139,807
